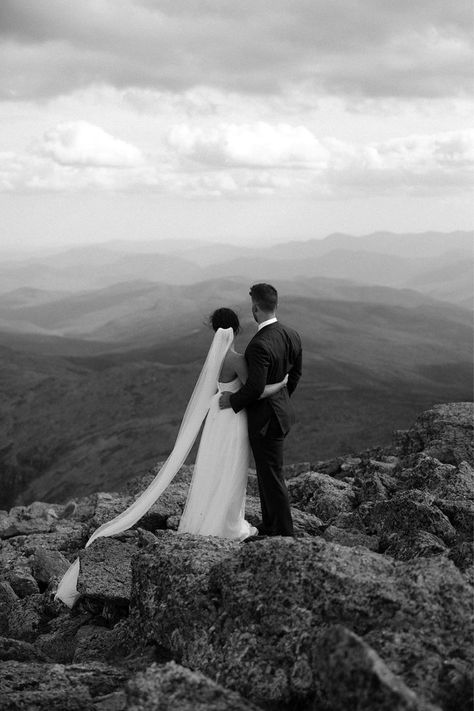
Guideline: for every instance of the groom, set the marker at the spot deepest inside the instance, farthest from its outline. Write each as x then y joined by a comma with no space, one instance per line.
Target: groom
274,351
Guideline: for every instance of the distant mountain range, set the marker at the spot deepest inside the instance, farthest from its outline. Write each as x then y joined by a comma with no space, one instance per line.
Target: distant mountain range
382,258
100,347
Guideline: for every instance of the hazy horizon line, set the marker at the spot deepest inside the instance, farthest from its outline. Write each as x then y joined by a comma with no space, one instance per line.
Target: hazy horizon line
57,247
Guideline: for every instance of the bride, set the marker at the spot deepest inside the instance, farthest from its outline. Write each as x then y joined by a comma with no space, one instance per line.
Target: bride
215,505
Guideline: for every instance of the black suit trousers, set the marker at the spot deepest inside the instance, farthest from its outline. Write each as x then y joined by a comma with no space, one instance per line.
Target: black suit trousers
267,450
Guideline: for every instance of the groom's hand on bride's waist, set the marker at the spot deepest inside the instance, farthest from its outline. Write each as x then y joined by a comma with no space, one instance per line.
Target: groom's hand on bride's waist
224,400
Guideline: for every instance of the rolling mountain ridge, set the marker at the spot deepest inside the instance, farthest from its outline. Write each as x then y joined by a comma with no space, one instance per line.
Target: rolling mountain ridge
99,351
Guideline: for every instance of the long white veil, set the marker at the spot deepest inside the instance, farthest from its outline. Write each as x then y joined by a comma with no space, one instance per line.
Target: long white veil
194,415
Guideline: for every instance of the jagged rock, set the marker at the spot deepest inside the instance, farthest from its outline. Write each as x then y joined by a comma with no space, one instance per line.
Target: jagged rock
407,512
461,515
59,641
98,642
105,569
445,481
413,545
304,523
29,617
350,466
14,649
349,674
17,523
171,503
85,507
146,538
249,615
55,687
67,537
445,432
108,505
21,579
175,688
351,521
320,495
172,523
464,483
462,554
47,565
15,568
331,467
8,602
370,486
351,538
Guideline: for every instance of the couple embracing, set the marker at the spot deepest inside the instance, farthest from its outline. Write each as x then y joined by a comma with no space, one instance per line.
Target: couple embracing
245,402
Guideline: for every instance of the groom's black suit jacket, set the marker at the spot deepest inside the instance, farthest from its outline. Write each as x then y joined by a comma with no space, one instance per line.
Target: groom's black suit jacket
273,352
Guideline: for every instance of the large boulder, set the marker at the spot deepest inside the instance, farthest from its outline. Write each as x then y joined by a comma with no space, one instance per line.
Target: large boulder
305,524
29,617
19,522
460,514
350,675
445,432
320,495
174,688
250,616
47,565
105,571
16,650
407,512
445,481
65,536
55,687
415,544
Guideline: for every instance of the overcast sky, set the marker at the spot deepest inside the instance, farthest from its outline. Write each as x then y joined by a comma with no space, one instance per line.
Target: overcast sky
237,120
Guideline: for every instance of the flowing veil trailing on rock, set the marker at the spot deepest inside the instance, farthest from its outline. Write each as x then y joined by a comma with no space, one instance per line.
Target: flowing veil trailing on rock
194,415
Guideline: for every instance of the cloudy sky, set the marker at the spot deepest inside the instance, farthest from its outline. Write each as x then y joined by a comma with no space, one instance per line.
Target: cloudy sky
245,121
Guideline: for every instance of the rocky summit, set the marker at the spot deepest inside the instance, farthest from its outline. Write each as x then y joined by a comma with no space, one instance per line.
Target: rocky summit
368,608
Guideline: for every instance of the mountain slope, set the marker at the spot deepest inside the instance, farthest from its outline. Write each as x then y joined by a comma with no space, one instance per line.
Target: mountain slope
68,425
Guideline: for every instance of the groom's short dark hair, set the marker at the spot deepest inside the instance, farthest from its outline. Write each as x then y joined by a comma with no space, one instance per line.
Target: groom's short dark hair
265,296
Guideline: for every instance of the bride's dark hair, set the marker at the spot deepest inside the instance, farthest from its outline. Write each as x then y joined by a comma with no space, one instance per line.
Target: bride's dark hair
224,318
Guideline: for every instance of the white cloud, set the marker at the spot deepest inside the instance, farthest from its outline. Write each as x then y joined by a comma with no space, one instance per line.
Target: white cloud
243,160
416,163
83,144
259,144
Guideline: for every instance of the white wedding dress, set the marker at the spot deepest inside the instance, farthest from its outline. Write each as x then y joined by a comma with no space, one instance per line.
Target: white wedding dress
216,501
215,504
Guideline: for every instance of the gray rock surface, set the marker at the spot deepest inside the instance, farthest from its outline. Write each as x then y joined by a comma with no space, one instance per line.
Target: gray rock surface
55,687
174,688
105,569
445,432
320,495
249,616
369,607
350,675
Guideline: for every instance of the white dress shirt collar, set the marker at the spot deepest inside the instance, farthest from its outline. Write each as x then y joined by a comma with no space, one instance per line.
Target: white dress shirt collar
267,323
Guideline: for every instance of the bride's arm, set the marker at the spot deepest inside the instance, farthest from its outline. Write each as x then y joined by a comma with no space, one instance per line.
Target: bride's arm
241,369
274,388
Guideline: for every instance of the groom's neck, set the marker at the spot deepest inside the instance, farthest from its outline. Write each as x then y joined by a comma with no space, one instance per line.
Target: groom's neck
262,317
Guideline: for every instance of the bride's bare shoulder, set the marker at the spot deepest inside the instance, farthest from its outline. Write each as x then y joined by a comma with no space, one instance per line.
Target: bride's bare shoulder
233,356
233,363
